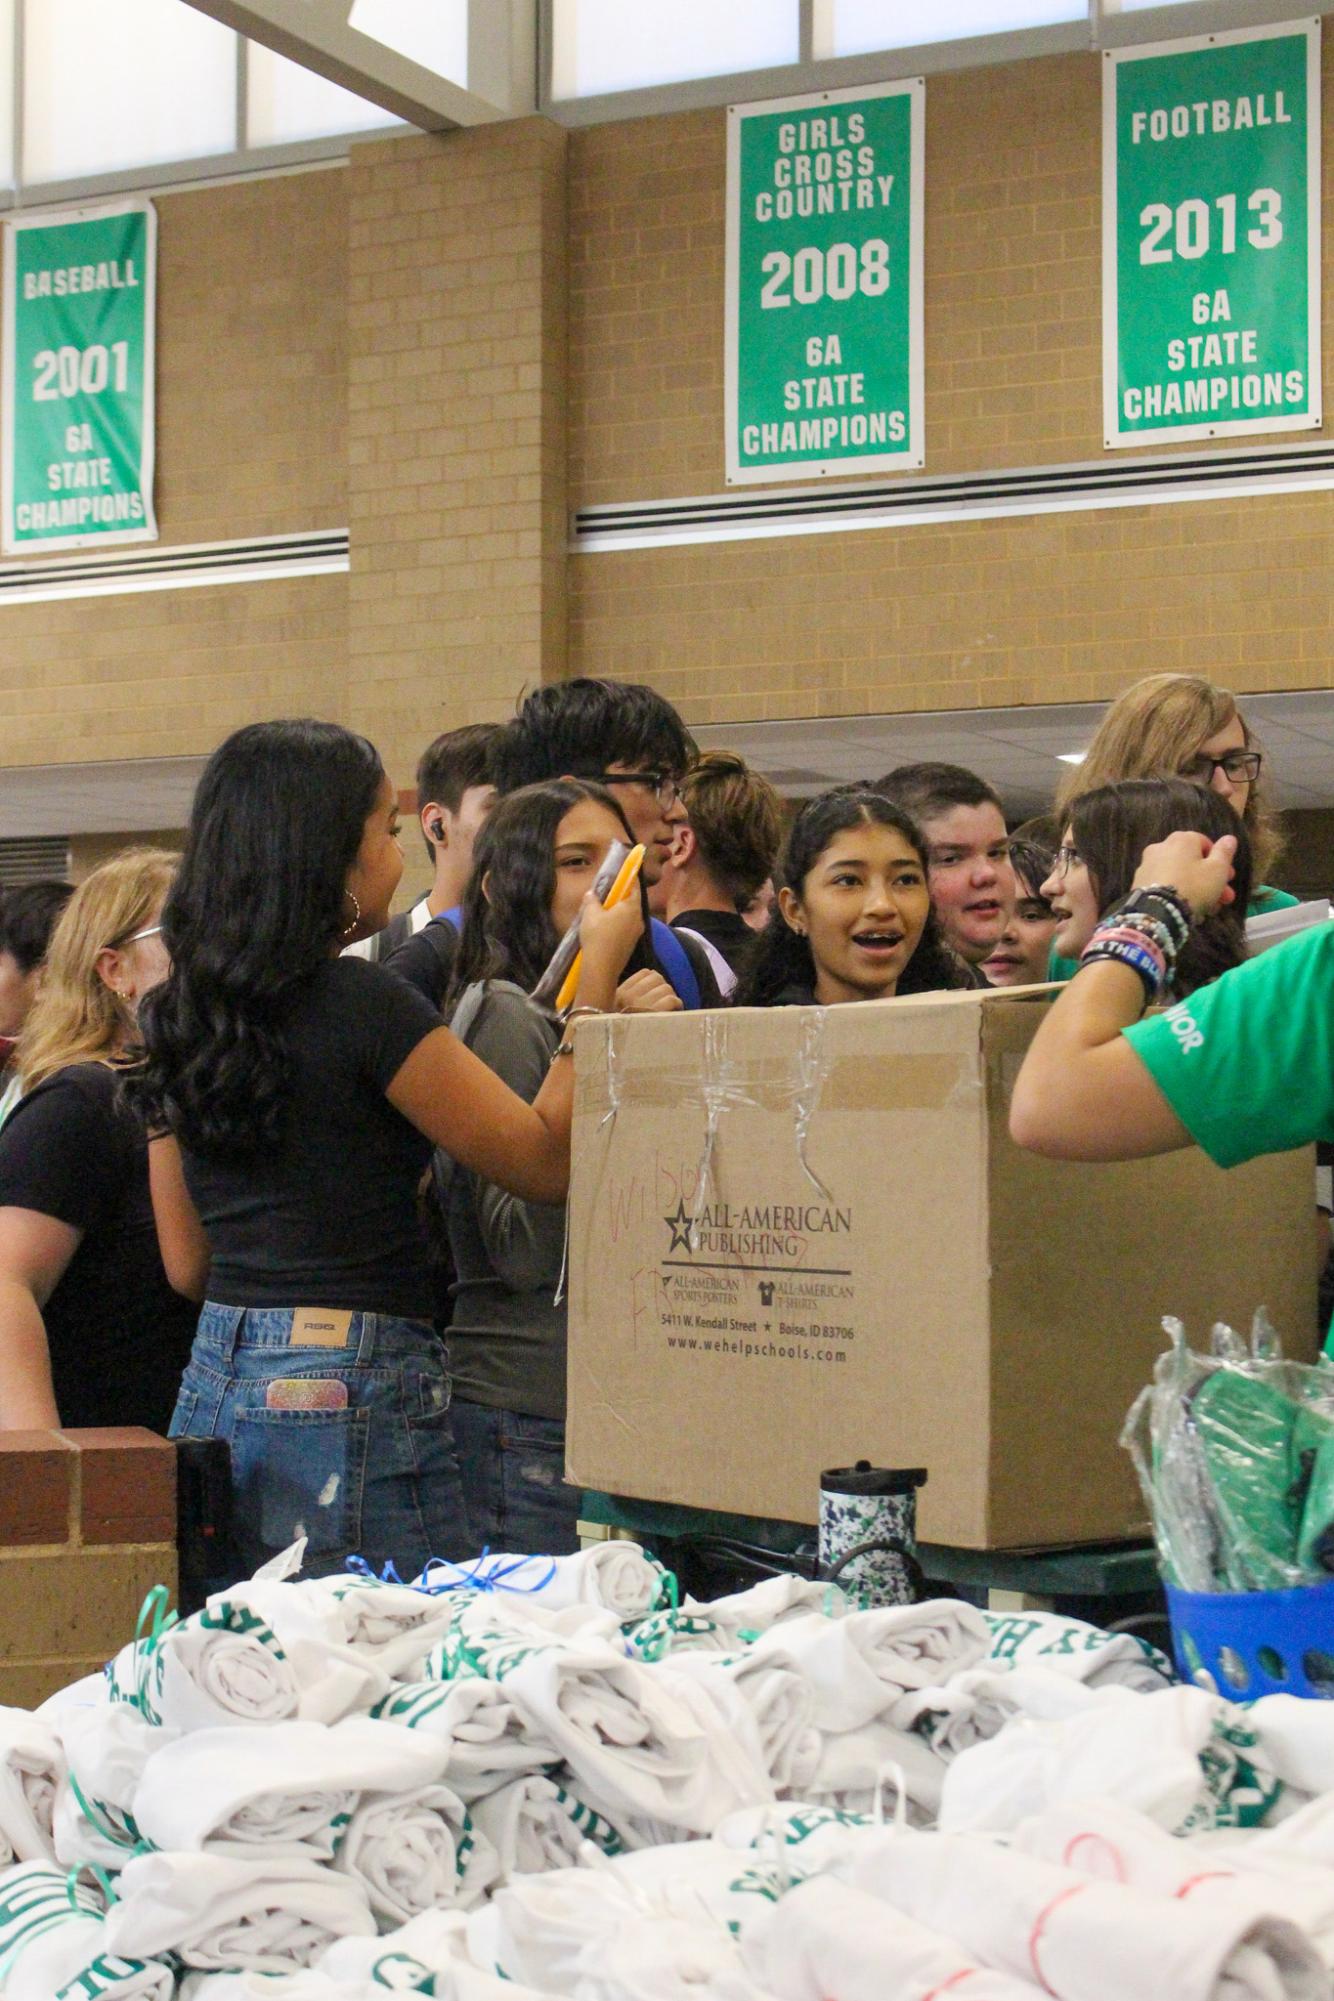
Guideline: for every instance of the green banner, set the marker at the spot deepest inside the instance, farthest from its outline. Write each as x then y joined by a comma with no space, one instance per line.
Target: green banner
77,416
1211,236
824,282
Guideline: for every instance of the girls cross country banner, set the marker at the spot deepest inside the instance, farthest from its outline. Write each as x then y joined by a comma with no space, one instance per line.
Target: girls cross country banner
76,424
1211,236
824,282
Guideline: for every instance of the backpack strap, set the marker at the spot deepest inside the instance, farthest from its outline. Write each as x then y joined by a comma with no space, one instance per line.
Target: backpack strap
672,956
722,972
442,935
464,1021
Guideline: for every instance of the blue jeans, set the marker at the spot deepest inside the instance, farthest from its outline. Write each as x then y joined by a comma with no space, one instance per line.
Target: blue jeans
514,1487
377,1477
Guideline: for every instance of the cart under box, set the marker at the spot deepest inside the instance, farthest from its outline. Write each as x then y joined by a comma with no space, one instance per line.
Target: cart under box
803,1236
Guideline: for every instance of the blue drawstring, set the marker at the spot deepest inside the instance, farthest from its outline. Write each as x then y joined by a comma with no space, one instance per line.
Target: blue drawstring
472,1577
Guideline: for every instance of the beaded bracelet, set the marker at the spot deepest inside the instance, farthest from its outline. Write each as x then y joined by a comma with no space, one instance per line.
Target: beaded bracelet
1159,900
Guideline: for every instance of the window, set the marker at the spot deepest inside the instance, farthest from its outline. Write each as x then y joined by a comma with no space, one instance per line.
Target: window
433,33
113,84
285,102
860,27
605,45
8,164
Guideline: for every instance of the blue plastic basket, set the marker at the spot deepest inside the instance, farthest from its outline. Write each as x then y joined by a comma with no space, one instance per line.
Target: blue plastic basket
1257,1643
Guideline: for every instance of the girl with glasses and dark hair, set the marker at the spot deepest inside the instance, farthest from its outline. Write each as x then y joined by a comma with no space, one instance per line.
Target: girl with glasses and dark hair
535,858
300,1095
1106,833
853,918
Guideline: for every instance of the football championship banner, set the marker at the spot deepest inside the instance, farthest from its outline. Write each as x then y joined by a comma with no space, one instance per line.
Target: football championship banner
824,283
1211,236
77,411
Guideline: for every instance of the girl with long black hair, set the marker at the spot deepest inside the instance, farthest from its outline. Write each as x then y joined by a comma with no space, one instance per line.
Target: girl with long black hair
853,919
302,1094
535,857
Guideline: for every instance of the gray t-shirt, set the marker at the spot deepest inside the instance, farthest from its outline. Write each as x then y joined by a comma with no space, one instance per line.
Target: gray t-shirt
507,1336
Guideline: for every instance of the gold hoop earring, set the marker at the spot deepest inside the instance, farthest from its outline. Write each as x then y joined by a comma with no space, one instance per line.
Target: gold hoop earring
356,915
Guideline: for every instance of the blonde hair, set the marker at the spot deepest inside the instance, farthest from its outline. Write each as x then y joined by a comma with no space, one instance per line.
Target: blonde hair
76,1018
1154,730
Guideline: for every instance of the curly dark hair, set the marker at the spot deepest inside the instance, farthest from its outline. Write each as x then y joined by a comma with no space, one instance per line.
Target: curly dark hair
506,931
781,958
256,910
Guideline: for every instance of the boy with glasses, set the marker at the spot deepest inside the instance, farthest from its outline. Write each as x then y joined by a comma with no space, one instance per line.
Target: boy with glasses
627,737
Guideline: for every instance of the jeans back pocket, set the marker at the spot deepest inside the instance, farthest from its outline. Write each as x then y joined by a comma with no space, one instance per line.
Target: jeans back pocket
299,1473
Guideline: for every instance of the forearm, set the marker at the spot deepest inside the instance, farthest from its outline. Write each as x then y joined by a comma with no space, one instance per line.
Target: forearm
27,1398
554,1103
1082,1093
182,1244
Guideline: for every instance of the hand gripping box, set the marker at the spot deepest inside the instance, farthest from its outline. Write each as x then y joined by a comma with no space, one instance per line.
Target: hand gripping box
803,1236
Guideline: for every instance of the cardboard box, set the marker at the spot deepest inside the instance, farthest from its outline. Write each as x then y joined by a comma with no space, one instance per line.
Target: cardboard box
802,1236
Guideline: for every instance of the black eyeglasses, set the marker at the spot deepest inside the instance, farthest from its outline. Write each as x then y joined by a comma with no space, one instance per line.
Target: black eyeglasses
1241,766
1065,858
665,785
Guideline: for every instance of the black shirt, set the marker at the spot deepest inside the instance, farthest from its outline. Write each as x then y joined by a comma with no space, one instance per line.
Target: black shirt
709,995
729,934
426,959
328,1218
119,1336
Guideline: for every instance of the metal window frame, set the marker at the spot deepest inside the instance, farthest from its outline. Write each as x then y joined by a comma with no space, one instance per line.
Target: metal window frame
1102,26
236,163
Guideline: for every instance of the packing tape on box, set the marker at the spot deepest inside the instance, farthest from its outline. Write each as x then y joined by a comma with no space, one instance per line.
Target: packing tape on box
800,1085
915,1084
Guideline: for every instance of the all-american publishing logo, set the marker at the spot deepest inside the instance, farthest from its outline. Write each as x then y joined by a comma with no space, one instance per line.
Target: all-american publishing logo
756,1230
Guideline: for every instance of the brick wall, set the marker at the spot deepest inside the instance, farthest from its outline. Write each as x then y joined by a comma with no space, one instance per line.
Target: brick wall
251,440
422,344
87,1529
1048,608
456,438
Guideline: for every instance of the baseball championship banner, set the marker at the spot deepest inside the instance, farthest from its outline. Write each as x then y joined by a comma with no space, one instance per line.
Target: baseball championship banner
1211,236
824,282
76,422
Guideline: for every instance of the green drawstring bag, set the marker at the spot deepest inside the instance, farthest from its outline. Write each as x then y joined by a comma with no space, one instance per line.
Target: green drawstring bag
1313,1454
1246,1431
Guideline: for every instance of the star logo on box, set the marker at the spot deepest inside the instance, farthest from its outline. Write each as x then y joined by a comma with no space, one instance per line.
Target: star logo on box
679,1225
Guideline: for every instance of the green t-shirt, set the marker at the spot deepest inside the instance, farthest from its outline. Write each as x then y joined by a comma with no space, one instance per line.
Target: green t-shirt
1262,902
1266,899
1247,1063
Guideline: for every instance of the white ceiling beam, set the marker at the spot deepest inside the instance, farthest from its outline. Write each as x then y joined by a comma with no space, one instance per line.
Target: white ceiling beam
502,58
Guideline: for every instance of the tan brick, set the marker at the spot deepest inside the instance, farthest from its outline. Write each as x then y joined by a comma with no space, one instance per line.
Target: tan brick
77,1602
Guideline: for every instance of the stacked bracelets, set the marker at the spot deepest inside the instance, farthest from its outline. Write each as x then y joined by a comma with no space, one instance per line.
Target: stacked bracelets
1145,931
565,1047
